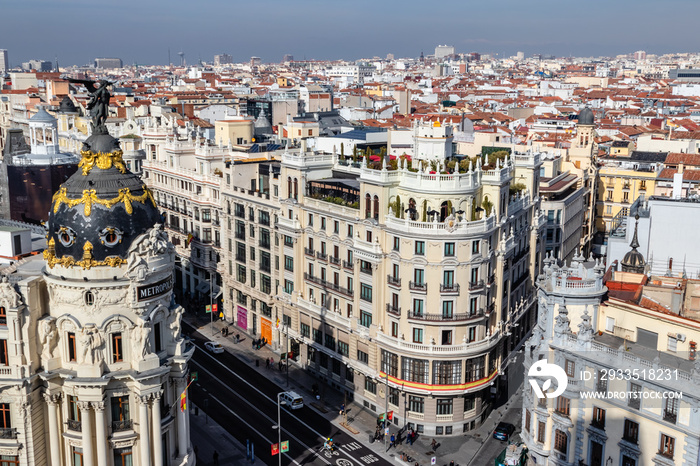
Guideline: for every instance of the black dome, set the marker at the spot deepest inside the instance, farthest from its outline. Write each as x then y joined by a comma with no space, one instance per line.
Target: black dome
99,211
586,117
67,106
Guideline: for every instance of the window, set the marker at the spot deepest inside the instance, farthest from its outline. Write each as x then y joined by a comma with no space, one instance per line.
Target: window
563,405
120,409
560,441
3,316
417,335
5,421
420,248
394,396
418,276
289,263
305,330
672,343
528,420
397,243
667,445
72,354
475,369
444,406
157,338
122,457
8,460
447,372
323,223
370,385
475,247
288,241
671,410
570,367
472,334
4,355
362,357
73,411
449,249
336,227
366,292
469,403
241,274
343,348
390,363
598,418
446,337
418,308
350,231
329,342
77,456
415,370
395,329
447,309
635,396
288,286
631,431
416,404
541,427
365,319
448,278
117,352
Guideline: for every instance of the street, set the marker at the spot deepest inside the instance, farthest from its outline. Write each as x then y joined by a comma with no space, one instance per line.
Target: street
244,402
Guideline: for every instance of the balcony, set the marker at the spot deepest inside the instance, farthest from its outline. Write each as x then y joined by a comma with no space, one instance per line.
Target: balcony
348,265
393,281
393,310
74,425
449,288
321,256
366,270
309,252
264,244
413,286
670,417
121,426
446,317
476,286
328,285
8,433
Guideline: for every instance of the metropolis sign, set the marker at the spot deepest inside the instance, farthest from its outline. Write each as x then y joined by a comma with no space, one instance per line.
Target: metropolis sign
154,290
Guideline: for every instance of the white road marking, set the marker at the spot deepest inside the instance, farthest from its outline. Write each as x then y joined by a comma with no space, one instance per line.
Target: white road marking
369,459
352,446
273,401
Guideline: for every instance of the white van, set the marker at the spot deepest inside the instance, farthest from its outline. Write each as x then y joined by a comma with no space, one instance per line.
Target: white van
292,400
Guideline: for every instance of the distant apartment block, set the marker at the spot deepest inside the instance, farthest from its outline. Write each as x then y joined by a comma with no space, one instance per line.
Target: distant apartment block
4,62
108,63
37,65
223,59
442,51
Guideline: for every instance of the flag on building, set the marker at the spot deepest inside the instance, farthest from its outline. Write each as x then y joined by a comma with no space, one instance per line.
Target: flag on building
183,401
390,416
190,237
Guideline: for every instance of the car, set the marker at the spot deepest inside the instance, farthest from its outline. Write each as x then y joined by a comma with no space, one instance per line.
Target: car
503,431
214,347
292,400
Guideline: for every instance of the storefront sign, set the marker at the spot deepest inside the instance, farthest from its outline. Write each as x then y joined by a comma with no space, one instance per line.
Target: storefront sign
242,317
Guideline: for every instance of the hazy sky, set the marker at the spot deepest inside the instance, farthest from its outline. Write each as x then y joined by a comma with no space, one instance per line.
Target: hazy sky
77,31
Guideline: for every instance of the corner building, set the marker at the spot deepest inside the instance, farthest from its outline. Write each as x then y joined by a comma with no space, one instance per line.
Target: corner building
94,363
399,279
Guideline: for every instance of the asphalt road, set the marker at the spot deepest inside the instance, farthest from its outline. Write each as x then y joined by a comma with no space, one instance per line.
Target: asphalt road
244,402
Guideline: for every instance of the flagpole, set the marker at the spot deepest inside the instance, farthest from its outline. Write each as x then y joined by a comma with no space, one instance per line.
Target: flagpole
211,305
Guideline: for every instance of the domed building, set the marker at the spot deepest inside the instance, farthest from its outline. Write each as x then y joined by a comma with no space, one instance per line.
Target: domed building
634,260
96,334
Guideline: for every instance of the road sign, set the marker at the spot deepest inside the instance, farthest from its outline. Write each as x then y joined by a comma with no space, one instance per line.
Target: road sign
194,376
208,308
275,449
215,307
285,446
433,460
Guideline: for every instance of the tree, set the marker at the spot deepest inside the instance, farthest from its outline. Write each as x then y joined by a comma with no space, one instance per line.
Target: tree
487,205
342,151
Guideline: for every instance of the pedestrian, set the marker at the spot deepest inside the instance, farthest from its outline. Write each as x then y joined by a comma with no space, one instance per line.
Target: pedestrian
392,439
342,409
412,436
452,463
434,445
272,363
267,363
280,364
216,458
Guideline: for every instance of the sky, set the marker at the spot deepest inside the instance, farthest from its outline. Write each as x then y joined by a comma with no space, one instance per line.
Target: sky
142,32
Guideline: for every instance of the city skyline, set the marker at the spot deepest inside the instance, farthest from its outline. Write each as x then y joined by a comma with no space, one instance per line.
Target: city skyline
311,30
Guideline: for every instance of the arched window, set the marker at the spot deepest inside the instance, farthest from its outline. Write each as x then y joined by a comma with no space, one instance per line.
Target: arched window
289,187
296,189
376,208
368,206
444,211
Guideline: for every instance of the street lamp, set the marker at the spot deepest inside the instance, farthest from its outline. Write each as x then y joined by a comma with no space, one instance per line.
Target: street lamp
279,427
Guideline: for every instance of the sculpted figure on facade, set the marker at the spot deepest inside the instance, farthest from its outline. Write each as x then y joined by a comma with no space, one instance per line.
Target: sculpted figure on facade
141,340
8,295
150,244
92,342
176,323
48,335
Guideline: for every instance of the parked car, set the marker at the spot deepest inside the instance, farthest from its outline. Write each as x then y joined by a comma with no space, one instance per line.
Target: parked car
503,431
214,347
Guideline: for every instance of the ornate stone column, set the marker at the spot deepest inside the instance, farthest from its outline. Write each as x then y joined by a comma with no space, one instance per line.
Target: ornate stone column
55,444
144,437
100,432
157,432
182,436
86,429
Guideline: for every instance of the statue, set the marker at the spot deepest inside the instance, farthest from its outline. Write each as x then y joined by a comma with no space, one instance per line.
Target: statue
98,103
150,244
8,293
47,337
91,341
176,323
141,340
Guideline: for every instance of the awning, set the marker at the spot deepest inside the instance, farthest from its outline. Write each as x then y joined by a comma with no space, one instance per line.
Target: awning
204,289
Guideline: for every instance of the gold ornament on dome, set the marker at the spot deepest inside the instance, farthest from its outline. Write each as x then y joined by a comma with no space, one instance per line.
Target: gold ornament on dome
102,161
86,262
89,198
